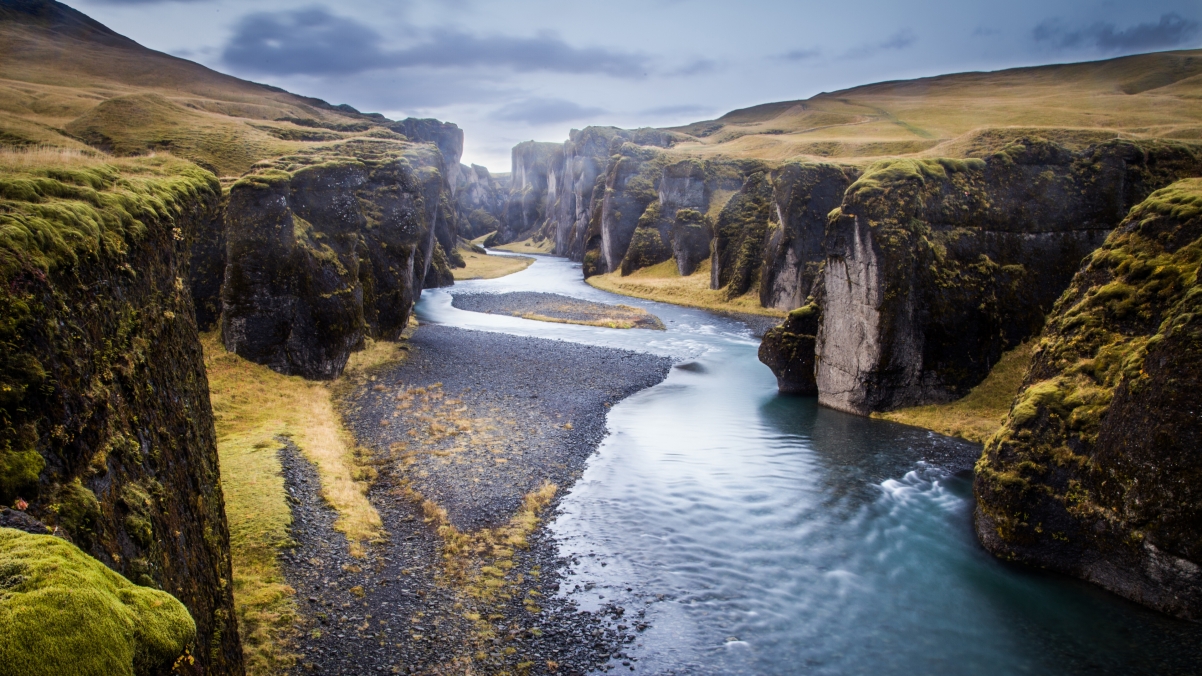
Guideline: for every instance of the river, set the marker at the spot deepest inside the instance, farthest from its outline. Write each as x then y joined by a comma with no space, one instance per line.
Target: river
763,534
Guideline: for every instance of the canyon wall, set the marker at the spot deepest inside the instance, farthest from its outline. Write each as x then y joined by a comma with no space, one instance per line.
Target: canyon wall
1096,471
329,247
105,424
936,267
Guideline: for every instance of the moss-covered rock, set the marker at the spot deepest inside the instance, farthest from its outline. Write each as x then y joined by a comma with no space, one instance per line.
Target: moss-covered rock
936,267
63,612
1096,471
328,247
102,382
739,237
803,195
692,233
788,350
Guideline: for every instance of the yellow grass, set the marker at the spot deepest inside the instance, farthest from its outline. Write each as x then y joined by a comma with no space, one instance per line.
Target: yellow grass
546,246
979,414
483,266
663,283
1149,95
254,407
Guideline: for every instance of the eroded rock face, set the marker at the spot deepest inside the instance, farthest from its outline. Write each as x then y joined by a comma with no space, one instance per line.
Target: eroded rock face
1096,471
739,236
481,201
447,136
537,167
789,351
803,197
935,267
329,249
105,423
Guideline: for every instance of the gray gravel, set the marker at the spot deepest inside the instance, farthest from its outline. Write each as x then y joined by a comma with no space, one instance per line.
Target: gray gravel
547,402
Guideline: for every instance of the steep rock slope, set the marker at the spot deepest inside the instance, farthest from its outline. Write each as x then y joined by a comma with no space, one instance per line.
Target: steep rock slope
328,247
105,423
935,267
1097,471
480,199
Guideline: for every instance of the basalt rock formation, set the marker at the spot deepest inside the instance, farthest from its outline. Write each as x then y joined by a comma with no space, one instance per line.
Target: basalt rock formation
481,200
329,247
788,350
936,267
105,424
1096,471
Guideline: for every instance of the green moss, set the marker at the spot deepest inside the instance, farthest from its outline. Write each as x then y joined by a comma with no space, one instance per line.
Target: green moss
1129,297
53,216
63,612
885,174
77,511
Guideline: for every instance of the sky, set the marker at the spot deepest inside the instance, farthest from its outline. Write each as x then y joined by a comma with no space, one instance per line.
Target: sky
521,70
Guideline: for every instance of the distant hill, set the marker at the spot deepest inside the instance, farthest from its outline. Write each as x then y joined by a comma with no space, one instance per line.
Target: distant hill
1148,95
67,80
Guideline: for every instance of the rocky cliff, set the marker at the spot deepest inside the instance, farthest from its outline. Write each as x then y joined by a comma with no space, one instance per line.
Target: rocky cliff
480,198
328,247
105,424
536,168
935,267
1096,470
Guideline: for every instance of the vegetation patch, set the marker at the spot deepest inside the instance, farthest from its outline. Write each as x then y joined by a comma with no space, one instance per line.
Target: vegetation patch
980,414
253,408
542,245
663,283
483,266
63,612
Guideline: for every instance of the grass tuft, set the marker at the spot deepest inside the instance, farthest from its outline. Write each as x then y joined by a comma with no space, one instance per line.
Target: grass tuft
980,414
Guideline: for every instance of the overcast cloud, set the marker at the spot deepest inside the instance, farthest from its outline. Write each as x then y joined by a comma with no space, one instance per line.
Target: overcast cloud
521,69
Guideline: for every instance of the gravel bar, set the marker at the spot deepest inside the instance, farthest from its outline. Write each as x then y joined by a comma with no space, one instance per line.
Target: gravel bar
553,306
530,411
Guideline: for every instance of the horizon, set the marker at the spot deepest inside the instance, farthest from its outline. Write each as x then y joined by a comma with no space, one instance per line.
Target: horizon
505,79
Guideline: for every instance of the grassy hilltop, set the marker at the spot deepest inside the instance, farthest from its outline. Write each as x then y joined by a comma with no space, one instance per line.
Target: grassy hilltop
966,114
66,80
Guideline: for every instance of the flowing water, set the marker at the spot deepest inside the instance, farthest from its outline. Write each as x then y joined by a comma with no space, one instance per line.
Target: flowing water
765,535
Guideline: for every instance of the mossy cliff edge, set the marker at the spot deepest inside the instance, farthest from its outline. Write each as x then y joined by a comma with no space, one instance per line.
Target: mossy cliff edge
935,267
329,247
63,612
1096,471
105,423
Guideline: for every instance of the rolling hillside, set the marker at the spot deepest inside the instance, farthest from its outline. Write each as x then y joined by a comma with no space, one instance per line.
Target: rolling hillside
66,80
1143,96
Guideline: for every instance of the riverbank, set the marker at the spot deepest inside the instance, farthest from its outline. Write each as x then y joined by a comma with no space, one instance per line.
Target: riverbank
486,266
472,439
663,283
553,307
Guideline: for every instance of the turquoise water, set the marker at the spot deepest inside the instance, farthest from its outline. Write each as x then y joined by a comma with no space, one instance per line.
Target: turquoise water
765,535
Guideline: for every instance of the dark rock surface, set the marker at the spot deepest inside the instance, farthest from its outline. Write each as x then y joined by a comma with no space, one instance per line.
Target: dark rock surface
936,267
327,248
788,350
803,195
1096,472
105,424
553,305
394,612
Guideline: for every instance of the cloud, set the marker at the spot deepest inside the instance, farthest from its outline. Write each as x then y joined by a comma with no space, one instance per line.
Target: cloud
1172,30
902,39
985,32
315,42
683,109
696,67
801,54
544,111
142,2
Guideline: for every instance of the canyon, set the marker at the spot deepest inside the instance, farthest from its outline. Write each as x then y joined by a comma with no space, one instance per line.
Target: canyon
152,206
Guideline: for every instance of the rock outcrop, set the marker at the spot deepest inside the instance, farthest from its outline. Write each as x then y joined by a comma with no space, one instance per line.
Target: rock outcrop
788,350
935,267
481,200
105,423
447,136
1096,471
535,168
327,248
803,196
